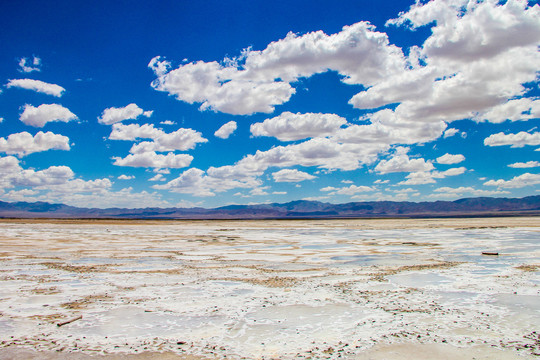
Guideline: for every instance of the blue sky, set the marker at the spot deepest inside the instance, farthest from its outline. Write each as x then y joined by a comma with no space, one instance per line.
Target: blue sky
177,103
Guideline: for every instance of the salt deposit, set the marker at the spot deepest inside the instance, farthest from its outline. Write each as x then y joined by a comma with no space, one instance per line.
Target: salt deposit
256,290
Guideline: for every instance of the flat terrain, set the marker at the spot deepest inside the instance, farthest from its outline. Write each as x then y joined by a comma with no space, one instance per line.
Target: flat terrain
382,224
356,289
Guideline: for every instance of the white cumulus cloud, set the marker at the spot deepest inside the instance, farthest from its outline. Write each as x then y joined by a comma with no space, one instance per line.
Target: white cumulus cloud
24,143
449,159
192,181
449,192
154,160
520,181
523,165
113,115
167,122
126,177
157,177
289,126
181,139
428,177
134,131
226,130
518,140
461,71
291,175
513,110
401,162
39,116
37,85
348,190
27,66
248,83
450,132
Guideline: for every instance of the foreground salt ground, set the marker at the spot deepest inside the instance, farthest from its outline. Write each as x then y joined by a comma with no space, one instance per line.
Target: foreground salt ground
274,289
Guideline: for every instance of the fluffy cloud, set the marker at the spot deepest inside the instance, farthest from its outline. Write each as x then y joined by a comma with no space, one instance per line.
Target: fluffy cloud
21,195
358,52
98,193
39,116
460,191
454,75
324,153
134,131
24,143
485,29
77,186
513,110
449,159
192,181
226,130
151,159
113,115
126,177
212,85
450,132
449,172
8,165
291,175
418,178
103,197
462,71
181,139
319,152
388,128
54,175
12,174
57,184
425,177
167,122
157,177
523,165
259,191
401,162
290,127
520,181
27,66
518,140
37,85
349,190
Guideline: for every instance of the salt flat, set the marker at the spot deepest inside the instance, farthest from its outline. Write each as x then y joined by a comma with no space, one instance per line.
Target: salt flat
354,289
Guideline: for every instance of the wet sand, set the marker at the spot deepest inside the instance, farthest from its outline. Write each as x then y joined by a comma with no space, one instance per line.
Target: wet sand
354,289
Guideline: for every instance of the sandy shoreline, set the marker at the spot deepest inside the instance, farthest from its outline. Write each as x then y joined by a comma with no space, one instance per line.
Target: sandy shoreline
320,289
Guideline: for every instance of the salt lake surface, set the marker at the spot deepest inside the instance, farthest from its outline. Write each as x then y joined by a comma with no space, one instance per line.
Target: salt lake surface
270,289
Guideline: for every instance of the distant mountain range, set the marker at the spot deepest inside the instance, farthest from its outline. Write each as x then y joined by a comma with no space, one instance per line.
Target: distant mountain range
483,206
